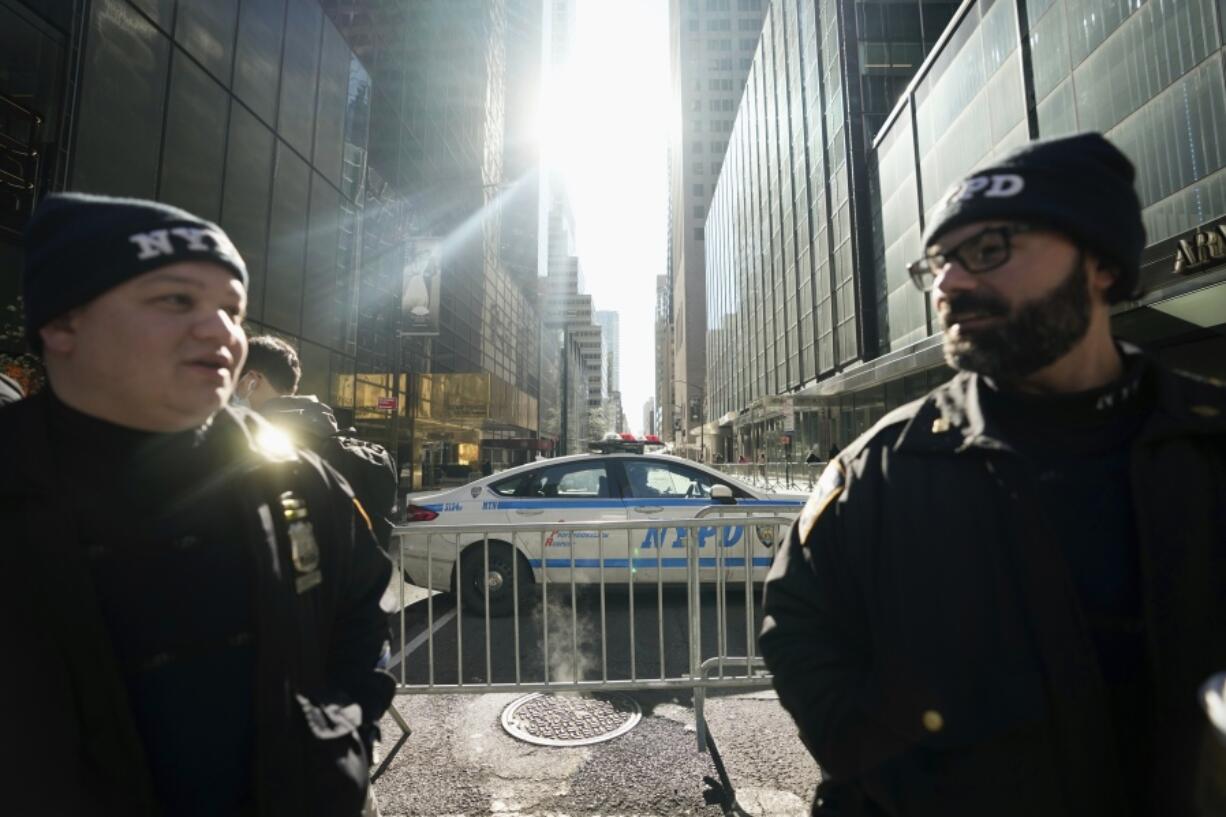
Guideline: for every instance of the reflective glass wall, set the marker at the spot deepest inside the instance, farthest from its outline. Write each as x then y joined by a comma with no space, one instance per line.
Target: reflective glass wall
253,115
784,239
1149,75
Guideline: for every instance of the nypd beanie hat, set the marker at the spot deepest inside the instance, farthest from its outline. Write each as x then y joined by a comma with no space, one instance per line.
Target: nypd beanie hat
1081,186
78,246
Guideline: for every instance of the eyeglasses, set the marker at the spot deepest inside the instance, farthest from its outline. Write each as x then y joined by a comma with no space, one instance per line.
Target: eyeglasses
986,250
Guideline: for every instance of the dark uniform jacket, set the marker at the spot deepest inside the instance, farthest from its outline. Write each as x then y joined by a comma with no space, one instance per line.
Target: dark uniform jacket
925,635
71,745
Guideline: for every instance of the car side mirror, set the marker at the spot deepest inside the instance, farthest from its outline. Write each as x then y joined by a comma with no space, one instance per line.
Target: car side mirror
722,494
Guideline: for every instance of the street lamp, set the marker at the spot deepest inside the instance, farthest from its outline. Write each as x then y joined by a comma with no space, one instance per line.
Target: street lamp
702,426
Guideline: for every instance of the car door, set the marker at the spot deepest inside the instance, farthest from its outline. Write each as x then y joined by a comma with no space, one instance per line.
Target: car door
660,489
576,491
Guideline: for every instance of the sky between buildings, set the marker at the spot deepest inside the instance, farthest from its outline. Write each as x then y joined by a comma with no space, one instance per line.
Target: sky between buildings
608,136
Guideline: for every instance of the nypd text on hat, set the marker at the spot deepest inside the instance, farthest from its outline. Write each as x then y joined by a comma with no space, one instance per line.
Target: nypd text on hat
993,186
157,243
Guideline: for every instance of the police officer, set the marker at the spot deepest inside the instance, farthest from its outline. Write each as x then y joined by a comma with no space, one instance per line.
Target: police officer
269,385
191,618
1003,597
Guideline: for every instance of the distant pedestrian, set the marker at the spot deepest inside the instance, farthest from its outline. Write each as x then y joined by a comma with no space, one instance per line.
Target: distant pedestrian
1003,599
762,464
269,384
191,619
812,458
832,453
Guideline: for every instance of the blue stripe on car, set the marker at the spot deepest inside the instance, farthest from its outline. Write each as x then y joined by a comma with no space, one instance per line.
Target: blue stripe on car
731,561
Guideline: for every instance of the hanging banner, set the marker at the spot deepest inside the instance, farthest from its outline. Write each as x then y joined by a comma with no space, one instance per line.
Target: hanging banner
419,303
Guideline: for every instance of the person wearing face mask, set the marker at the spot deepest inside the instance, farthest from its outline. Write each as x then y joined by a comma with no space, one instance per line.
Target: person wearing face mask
272,370
1003,598
269,385
192,619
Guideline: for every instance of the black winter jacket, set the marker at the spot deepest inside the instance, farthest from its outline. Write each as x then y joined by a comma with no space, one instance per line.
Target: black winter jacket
924,633
71,747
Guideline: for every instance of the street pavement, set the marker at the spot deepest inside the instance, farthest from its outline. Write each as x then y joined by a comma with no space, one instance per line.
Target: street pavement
459,760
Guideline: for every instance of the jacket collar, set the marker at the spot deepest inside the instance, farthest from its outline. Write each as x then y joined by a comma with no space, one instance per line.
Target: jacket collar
951,417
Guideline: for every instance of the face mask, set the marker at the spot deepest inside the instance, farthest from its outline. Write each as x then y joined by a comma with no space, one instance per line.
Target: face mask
242,398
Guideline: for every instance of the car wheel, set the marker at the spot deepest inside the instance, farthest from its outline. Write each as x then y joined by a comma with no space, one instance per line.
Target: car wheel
499,578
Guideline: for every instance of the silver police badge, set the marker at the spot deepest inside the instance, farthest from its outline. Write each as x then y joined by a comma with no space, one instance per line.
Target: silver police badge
304,549
476,492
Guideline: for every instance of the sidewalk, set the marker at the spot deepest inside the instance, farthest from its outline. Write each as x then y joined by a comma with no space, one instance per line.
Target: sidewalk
460,762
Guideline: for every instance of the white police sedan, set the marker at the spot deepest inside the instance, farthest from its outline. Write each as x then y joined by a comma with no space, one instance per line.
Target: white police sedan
598,488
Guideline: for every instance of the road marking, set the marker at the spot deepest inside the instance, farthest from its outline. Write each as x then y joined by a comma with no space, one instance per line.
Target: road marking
420,639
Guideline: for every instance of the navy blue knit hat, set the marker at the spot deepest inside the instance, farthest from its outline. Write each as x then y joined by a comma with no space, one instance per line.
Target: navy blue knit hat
1079,185
78,246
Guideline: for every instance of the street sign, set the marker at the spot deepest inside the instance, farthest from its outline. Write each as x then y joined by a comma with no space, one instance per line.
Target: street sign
387,403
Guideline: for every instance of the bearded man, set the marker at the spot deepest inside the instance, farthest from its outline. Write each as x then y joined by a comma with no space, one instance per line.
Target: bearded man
1002,599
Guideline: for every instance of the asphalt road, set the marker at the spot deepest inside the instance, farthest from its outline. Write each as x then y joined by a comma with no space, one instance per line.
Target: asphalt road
459,761
562,636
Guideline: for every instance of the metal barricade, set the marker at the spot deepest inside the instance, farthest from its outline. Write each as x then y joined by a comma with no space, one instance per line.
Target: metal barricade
556,649
776,476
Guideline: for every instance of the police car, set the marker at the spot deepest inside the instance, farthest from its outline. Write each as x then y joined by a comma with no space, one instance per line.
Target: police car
619,483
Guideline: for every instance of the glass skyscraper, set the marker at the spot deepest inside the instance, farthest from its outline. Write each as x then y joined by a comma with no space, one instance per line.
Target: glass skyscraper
814,324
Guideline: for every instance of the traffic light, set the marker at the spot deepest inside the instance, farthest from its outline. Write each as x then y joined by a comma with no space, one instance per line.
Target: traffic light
695,410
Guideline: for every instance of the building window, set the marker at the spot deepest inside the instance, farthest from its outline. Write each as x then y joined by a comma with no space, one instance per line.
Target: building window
698,211
698,168
699,189
698,234
693,26
715,168
749,44
695,147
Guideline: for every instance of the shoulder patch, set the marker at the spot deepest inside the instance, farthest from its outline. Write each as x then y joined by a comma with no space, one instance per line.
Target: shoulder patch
362,513
827,490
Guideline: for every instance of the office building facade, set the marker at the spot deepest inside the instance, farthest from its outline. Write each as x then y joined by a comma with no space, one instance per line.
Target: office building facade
1148,75
263,115
666,421
711,43
788,226
454,82
252,115
610,327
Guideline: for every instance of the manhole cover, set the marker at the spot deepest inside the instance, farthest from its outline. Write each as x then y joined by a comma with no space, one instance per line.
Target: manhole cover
554,720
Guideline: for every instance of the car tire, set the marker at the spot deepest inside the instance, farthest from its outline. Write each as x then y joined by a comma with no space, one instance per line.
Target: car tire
500,577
